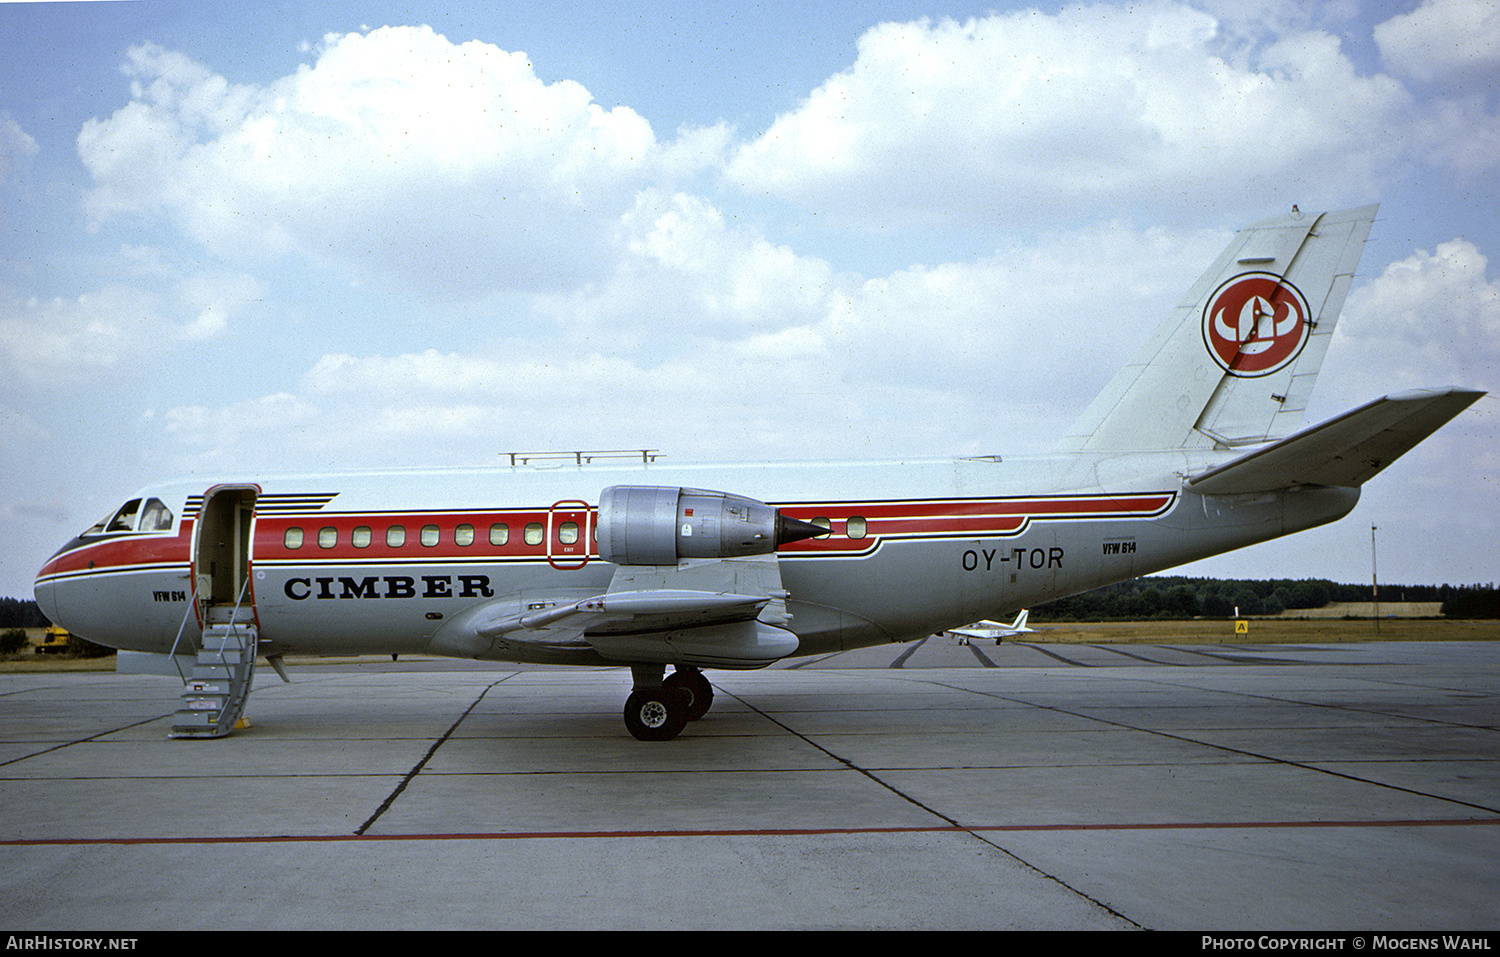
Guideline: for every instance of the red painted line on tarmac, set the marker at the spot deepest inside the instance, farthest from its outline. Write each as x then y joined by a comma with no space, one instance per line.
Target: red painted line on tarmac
741,832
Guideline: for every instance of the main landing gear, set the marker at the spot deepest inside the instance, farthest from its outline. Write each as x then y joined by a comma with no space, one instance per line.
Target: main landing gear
659,708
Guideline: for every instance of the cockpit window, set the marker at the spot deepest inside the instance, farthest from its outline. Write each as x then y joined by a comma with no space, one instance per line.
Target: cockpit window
154,517
124,520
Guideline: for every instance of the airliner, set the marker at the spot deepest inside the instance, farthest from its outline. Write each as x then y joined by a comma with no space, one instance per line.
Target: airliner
625,559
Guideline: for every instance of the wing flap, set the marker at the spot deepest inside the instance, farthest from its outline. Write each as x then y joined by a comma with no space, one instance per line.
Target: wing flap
631,611
1345,451
724,613
744,607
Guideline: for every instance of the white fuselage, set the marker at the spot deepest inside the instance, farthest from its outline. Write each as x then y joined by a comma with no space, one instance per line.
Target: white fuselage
376,562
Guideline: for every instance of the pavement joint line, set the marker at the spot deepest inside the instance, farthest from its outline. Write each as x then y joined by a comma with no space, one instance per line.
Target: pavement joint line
845,761
417,768
972,829
956,826
85,740
1332,705
1317,769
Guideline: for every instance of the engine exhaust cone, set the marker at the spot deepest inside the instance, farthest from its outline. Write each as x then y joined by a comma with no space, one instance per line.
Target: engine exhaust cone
795,530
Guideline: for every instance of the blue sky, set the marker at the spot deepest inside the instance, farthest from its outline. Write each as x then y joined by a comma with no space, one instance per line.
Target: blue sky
314,235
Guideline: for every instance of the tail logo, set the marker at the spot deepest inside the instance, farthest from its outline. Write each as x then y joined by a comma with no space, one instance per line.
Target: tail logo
1255,324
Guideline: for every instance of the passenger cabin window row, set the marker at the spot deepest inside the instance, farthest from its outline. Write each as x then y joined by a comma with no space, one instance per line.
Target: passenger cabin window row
428,535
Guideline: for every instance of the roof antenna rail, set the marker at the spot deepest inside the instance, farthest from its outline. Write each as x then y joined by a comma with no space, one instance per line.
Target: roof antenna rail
581,458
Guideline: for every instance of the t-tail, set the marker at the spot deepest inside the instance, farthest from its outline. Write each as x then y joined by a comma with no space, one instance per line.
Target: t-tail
1234,364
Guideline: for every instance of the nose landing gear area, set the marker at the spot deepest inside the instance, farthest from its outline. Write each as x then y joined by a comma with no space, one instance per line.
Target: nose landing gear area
658,709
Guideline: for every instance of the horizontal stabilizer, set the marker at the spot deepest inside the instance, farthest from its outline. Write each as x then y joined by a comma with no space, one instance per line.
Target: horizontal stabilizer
1345,451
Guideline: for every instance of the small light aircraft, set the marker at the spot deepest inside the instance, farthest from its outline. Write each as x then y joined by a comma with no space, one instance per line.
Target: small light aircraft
993,629
621,559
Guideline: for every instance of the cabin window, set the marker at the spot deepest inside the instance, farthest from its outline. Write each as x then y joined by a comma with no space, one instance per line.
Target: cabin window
429,535
463,535
856,527
360,537
395,536
822,520
328,536
499,533
567,533
533,533
293,538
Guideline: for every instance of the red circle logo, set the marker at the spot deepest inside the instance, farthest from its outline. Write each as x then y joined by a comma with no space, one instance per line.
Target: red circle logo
1255,324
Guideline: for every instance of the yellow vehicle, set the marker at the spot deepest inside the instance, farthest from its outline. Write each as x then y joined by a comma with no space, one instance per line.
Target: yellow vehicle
55,641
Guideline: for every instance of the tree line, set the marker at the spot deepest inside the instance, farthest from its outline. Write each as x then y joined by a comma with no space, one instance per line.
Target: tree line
1168,597
18,613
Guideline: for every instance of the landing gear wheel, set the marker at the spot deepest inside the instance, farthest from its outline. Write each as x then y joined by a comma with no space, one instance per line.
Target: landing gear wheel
700,693
656,714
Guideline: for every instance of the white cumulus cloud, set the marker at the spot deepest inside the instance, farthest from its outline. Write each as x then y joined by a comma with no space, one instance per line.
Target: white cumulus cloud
1444,40
1431,319
14,142
396,154
1095,105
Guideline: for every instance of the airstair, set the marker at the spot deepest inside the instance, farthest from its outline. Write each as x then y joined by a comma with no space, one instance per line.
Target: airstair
214,695
213,698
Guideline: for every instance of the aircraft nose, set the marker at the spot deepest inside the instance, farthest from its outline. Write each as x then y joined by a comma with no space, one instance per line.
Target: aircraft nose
46,590
46,599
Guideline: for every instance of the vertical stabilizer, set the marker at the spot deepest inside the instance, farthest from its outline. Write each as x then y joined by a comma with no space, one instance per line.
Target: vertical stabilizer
1235,362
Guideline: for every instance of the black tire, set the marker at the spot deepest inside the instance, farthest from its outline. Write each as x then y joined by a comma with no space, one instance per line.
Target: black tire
692,683
656,714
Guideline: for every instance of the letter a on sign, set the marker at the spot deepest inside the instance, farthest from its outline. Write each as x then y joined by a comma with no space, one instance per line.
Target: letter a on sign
1242,628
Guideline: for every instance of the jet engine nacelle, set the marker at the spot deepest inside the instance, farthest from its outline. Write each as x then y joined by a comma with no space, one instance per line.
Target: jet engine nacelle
661,525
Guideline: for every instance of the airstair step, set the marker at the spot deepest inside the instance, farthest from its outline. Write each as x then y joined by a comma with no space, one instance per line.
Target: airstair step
213,699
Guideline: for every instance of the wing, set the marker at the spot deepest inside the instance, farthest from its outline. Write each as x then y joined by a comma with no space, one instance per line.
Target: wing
724,613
